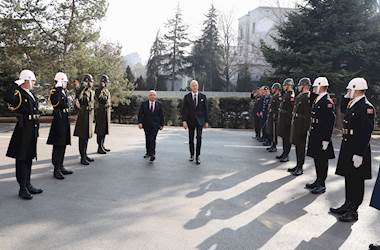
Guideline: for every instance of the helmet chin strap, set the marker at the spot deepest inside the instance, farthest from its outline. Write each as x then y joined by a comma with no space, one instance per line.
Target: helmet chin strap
352,92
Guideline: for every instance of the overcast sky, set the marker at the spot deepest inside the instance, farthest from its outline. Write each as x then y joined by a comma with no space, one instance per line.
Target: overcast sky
134,24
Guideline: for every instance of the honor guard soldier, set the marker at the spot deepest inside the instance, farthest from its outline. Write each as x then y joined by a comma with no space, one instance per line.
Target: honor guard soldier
301,124
375,203
102,113
285,118
23,144
354,162
274,105
59,135
84,126
320,146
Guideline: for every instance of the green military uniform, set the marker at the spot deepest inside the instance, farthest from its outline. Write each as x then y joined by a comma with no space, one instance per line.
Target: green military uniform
284,122
84,127
102,116
272,120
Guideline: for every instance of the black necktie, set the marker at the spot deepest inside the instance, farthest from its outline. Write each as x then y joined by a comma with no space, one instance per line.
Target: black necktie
151,107
195,99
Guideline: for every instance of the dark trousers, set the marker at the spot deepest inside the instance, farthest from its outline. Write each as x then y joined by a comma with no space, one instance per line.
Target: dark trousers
192,130
58,155
83,147
321,168
354,190
100,140
23,172
150,140
286,146
257,126
300,154
274,135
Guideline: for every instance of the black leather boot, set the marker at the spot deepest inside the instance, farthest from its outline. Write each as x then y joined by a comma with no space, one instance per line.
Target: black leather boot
33,190
57,173
64,171
340,210
24,194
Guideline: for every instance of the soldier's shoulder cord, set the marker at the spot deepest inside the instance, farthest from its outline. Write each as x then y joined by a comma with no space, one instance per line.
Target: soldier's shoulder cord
52,92
17,93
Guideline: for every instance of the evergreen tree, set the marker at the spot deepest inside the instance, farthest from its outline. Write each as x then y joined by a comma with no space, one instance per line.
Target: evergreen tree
129,75
140,84
337,39
244,81
207,54
176,41
155,64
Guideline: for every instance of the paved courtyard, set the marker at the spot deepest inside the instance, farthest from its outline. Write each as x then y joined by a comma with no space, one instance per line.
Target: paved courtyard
239,198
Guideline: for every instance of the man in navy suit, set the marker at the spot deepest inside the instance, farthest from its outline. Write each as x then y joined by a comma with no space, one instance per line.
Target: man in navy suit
195,118
151,119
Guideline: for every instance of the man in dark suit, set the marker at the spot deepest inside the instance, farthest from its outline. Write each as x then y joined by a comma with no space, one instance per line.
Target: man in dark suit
375,202
195,118
151,119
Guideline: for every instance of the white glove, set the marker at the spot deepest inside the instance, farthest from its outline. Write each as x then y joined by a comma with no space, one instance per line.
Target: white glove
325,145
358,160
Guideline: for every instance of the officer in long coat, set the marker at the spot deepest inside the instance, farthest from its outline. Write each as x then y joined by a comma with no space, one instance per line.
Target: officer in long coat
59,135
84,128
300,124
354,162
274,105
285,118
375,202
102,113
23,144
320,146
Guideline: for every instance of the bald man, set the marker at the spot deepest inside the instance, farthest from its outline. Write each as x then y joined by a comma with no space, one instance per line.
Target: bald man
151,119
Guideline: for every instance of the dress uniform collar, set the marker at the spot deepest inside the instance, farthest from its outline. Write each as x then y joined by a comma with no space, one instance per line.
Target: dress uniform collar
355,100
320,96
30,94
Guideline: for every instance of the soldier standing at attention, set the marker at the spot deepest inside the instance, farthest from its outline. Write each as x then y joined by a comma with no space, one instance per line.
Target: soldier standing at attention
301,124
59,135
23,144
320,146
84,126
274,105
102,113
354,162
285,118
264,116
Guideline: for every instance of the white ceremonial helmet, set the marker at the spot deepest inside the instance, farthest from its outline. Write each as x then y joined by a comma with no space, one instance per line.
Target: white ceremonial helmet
357,84
320,82
61,79
26,75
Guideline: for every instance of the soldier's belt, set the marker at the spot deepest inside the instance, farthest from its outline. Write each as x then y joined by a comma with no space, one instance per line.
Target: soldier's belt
32,117
65,110
348,131
314,120
298,115
283,111
89,109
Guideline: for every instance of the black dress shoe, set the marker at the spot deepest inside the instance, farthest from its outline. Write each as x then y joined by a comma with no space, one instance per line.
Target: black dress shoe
89,159
65,171
146,156
34,190
24,194
284,159
291,170
272,150
267,144
191,158
297,172
106,149
152,158
279,157
349,216
198,161
310,185
84,162
58,174
340,210
318,190
374,247
101,151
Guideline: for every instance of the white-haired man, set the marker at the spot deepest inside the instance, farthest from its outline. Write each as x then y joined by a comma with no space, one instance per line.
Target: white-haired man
151,119
195,118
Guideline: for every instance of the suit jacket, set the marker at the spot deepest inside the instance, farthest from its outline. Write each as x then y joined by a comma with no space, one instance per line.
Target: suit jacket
195,115
375,201
358,124
23,144
151,119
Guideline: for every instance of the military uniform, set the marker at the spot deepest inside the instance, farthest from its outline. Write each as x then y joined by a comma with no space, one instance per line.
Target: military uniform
23,143
300,126
285,121
102,116
84,126
271,127
256,110
59,135
375,201
322,126
358,125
